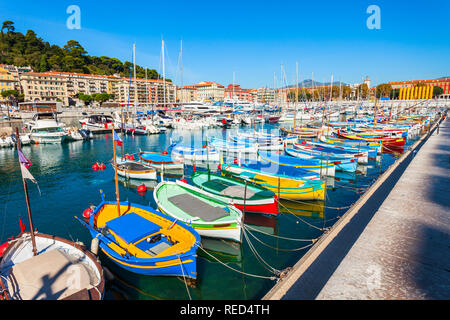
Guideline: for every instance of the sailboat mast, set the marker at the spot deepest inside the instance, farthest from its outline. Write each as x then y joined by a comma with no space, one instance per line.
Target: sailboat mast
135,82
164,73
296,95
27,199
115,174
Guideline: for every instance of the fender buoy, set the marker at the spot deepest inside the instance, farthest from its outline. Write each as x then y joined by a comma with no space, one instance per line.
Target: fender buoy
142,188
102,166
165,152
87,213
130,157
204,146
236,161
183,180
219,167
3,248
95,167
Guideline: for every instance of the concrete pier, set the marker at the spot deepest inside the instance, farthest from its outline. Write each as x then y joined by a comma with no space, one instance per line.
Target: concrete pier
394,243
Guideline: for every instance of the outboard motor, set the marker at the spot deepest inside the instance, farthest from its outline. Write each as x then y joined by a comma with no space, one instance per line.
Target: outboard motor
85,133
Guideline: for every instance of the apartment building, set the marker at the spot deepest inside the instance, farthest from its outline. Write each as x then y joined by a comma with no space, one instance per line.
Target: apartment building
236,92
7,81
46,86
265,95
209,91
149,92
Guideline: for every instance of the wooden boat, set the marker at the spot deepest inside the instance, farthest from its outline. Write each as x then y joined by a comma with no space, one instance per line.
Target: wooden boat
160,160
304,133
323,152
196,154
312,209
230,190
287,163
283,186
144,241
22,273
209,216
372,153
134,170
36,266
271,168
386,142
352,143
341,163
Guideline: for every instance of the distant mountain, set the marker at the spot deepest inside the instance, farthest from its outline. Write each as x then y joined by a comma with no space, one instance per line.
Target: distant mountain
311,83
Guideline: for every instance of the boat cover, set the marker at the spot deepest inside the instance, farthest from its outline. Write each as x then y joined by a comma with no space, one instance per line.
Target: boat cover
198,208
131,227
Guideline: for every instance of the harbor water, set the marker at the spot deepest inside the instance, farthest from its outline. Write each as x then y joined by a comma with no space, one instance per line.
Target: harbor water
67,185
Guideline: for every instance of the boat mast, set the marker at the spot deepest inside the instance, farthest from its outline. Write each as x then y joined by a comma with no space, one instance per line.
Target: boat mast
296,95
135,82
115,174
164,74
25,188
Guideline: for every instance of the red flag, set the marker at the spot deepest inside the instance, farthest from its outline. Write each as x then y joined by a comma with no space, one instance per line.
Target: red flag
22,225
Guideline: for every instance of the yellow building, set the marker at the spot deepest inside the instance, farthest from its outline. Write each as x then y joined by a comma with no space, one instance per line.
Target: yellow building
6,80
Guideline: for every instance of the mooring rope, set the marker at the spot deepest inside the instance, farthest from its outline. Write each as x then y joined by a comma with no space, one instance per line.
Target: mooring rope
241,272
280,249
184,278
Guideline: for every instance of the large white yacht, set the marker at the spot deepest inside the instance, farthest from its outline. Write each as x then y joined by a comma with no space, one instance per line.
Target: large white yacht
45,128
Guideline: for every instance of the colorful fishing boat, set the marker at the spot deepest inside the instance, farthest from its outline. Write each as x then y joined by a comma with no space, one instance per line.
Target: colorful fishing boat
283,186
288,162
209,216
144,241
134,169
246,197
386,142
341,163
160,160
323,152
374,145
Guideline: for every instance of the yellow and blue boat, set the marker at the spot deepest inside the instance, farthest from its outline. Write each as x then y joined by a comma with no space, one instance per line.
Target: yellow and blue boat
143,240
284,187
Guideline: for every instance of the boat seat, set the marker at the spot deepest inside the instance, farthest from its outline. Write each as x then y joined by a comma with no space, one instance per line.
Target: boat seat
157,249
198,208
237,192
51,275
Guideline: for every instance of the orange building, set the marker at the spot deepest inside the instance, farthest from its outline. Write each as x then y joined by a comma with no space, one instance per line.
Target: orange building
410,90
235,91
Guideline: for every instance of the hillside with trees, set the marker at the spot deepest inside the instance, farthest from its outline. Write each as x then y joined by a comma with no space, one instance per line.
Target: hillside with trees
30,50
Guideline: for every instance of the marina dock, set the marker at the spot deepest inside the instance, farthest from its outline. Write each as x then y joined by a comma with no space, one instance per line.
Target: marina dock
393,242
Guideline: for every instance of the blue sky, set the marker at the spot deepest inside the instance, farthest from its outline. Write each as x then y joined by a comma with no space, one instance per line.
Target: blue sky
254,38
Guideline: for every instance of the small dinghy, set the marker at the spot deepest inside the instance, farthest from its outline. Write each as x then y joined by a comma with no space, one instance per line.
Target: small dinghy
134,170
255,199
209,216
160,160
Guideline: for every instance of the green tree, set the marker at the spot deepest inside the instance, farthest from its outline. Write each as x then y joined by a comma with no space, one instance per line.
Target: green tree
8,25
437,91
383,90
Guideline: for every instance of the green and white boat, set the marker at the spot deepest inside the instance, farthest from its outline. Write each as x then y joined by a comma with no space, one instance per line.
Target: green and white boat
230,190
208,216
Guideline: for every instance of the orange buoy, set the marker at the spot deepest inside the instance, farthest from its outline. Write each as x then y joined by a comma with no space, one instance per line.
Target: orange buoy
95,167
142,188
87,213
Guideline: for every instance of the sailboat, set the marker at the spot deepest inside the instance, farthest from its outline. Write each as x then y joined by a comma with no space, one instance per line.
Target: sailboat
142,240
37,266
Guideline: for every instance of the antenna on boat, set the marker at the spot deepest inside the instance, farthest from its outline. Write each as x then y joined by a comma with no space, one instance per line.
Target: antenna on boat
25,188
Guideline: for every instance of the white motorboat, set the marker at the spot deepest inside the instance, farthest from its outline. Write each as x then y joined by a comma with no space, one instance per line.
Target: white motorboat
45,128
